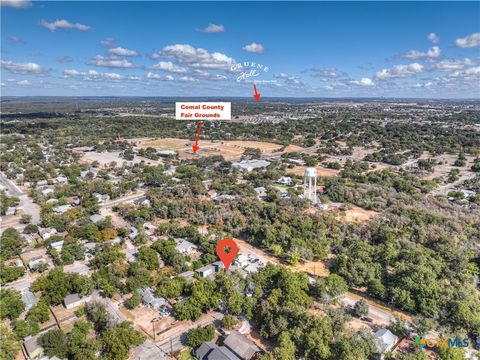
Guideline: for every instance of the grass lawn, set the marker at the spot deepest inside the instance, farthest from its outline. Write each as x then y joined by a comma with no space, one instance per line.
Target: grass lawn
187,355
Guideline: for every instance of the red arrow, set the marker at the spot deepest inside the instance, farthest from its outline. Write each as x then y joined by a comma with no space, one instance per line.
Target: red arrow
256,94
197,137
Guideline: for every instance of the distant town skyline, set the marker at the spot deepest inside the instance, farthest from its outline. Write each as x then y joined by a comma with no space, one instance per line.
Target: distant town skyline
290,49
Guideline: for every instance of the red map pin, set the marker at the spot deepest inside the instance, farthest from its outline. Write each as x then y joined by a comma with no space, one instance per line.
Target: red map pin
227,249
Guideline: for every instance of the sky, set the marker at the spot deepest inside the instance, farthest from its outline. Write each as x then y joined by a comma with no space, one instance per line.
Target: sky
297,49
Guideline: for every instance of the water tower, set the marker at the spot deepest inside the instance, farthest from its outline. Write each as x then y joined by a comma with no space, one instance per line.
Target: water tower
310,184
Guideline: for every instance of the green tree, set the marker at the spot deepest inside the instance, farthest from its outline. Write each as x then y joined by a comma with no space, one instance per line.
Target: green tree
54,343
229,322
361,308
133,302
331,287
9,346
11,304
118,340
286,348
11,244
199,335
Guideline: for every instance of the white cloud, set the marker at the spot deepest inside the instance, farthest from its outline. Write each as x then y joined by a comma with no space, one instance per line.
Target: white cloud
364,82
448,65
18,4
196,58
92,75
108,42
187,79
22,68
434,38
473,71
119,51
102,61
168,66
151,75
426,85
254,48
24,83
213,28
289,79
400,71
63,24
134,77
326,73
432,53
469,41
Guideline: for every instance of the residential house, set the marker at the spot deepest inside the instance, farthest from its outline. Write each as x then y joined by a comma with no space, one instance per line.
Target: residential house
62,208
10,211
28,238
241,346
285,180
46,192
385,340
242,261
42,183
206,271
185,247
74,300
46,233
151,300
101,197
58,245
96,218
133,233
249,165
29,299
60,179
142,201
34,263
218,265
211,351
261,191
32,347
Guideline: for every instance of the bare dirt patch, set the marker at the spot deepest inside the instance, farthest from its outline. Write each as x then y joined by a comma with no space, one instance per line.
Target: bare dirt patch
229,149
105,158
321,171
142,317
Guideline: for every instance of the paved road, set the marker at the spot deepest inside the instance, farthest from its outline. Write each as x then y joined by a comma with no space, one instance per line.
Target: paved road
373,312
10,187
174,340
26,205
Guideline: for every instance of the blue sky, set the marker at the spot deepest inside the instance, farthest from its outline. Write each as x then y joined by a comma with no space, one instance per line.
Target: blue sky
324,49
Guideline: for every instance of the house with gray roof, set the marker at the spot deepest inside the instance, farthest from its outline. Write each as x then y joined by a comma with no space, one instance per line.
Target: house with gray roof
211,351
29,299
249,165
73,300
151,300
185,247
385,340
206,271
241,346
32,347
96,218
